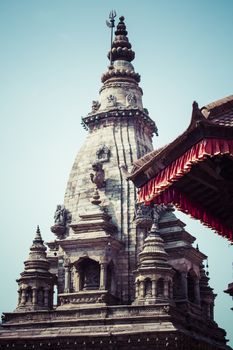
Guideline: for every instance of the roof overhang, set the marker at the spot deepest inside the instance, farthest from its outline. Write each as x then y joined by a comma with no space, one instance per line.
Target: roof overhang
194,172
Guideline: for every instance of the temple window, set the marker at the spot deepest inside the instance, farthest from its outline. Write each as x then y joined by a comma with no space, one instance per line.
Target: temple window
40,297
160,288
89,274
191,287
148,287
28,295
54,295
179,285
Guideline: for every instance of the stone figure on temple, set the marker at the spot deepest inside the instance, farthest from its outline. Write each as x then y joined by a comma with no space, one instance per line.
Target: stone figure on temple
60,215
95,106
98,177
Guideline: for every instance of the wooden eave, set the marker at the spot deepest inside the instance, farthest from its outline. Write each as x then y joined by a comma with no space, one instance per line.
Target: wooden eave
179,146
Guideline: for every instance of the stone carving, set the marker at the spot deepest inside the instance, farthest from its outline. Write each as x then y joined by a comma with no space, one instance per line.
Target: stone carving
95,106
60,215
98,177
123,85
157,212
131,100
66,261
112,101
103,154
143,215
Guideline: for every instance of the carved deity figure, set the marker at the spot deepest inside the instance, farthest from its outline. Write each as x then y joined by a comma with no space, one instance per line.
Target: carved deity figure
98,177
112,101
95,106
103,154
60,215
131,99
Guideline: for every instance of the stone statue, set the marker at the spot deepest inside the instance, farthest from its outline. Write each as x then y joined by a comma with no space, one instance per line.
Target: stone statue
98,177
60,215
95,106
112,101
131,99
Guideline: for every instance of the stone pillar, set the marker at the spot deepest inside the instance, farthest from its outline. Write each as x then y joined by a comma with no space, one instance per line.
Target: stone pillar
19,296
197,292
34,296
153,288
170,284
142,289
184,284
166,289
103,275
77,280
136,289
23,298
46,297
67,279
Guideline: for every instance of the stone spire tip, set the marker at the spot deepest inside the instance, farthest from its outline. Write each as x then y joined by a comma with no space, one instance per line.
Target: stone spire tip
121,47
38,234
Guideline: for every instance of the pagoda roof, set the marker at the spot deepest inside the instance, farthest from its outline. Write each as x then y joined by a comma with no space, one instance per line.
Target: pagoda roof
195,171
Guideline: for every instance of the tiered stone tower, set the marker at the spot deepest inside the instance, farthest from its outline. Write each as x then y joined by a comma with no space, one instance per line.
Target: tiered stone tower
36,283
127,274
119,131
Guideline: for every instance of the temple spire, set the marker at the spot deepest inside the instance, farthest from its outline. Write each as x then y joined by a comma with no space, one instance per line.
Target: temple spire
36,282
121,47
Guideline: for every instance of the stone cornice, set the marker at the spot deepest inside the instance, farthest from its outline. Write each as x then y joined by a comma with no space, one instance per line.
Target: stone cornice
116,114
83,241
187,252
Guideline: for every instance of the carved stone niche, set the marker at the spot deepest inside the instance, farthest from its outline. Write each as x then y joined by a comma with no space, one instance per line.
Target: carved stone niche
143,215
103,154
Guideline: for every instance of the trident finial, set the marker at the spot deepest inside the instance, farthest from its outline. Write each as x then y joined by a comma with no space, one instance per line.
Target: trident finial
111,25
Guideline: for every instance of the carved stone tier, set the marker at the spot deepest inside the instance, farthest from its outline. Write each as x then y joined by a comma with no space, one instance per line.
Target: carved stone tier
152,327
97,297
98,222
122,75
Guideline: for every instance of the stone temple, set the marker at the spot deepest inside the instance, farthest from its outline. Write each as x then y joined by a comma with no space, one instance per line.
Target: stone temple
127,275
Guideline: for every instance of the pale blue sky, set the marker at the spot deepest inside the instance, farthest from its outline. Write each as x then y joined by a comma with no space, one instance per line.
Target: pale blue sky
52,55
